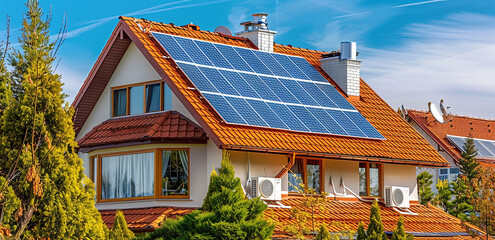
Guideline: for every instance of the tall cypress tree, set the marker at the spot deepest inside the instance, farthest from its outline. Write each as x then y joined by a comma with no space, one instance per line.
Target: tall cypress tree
37,145
399,232
468,166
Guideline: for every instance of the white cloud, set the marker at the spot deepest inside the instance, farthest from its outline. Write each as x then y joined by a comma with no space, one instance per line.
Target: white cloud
418,3
450,59
236,16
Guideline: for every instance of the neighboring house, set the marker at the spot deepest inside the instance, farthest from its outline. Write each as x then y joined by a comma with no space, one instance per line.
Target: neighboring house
162,102
449,138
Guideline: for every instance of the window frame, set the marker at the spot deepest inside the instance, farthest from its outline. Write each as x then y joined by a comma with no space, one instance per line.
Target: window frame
305,174
380,180
157,174
128,94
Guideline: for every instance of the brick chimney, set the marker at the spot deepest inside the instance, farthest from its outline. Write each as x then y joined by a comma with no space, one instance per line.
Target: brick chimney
343,68
257,31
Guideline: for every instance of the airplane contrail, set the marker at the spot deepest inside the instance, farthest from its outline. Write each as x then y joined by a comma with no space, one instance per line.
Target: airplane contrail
418,3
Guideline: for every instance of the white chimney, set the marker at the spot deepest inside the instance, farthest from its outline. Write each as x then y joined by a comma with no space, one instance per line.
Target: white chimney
257,31
343,68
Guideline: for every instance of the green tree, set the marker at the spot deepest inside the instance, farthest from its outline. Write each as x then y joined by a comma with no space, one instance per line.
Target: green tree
424,182
444,197
225,214
484,204
375,229
119,229
323,233
361,233
461,204
399,232
37,147
468,166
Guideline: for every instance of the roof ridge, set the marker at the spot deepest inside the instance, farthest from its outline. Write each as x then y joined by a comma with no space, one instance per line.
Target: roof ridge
456,115
185,28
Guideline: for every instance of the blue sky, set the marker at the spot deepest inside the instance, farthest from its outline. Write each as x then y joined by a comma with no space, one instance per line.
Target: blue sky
413,51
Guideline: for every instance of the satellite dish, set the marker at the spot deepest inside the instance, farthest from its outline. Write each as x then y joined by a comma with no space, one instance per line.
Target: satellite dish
223,30
435,112
404,111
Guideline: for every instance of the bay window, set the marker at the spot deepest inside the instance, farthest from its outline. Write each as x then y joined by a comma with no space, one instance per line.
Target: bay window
132,175
370,179
306,172
140,98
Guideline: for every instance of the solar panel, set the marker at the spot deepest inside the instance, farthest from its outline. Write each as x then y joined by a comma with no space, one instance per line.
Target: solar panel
486,148
255,88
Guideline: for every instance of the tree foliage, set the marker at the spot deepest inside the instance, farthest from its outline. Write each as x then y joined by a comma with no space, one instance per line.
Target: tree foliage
424,183
375,229
225,214
484,204
399,232
323,233
468,166
119,230
45,192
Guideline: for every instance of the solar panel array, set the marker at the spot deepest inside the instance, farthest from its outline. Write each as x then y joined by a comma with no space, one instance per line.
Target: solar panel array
255,88
486,148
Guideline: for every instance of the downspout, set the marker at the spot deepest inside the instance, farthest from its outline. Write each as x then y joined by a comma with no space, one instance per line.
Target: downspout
248,181
288,166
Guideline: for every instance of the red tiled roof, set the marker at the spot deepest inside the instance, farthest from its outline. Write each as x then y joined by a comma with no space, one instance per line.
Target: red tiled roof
430,219
458,126
144,219
402,145
170,127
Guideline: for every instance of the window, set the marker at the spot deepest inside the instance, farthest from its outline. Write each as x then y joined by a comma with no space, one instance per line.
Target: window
307,172
175,172
127,176
370,179
450,174
132,175
140,98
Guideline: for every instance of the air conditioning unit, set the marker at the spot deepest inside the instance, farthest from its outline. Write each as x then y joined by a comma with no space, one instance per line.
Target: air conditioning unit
397,196
266,188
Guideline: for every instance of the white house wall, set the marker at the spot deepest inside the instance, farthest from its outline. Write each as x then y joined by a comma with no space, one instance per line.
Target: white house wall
134,68
401,176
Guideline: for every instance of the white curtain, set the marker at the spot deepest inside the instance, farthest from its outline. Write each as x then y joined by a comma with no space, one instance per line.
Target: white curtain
127,176
183,160
165,160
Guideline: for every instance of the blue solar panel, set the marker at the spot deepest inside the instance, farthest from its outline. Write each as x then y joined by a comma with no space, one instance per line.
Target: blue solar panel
267,114
222,106
486,148
212,53
256,88
197,77
246,111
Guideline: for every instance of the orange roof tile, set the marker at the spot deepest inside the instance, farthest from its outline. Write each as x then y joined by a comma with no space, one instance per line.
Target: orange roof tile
429,219
458,126
403,144
144,219
171,127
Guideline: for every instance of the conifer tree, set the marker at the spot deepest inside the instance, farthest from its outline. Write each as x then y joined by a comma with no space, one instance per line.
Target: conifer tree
361,233
467,163
119,229
444,197
323,233
375,229
399,232
424,183
225,214
37,148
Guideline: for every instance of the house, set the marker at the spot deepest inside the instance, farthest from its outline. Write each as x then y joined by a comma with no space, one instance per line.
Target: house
449,137
163,101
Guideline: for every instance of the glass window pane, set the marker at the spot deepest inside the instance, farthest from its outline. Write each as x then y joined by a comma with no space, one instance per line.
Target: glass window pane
313,171
136,100
362,179
444,171
167,98
374,180
295,177
127,176
120,102
175,165
153,97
